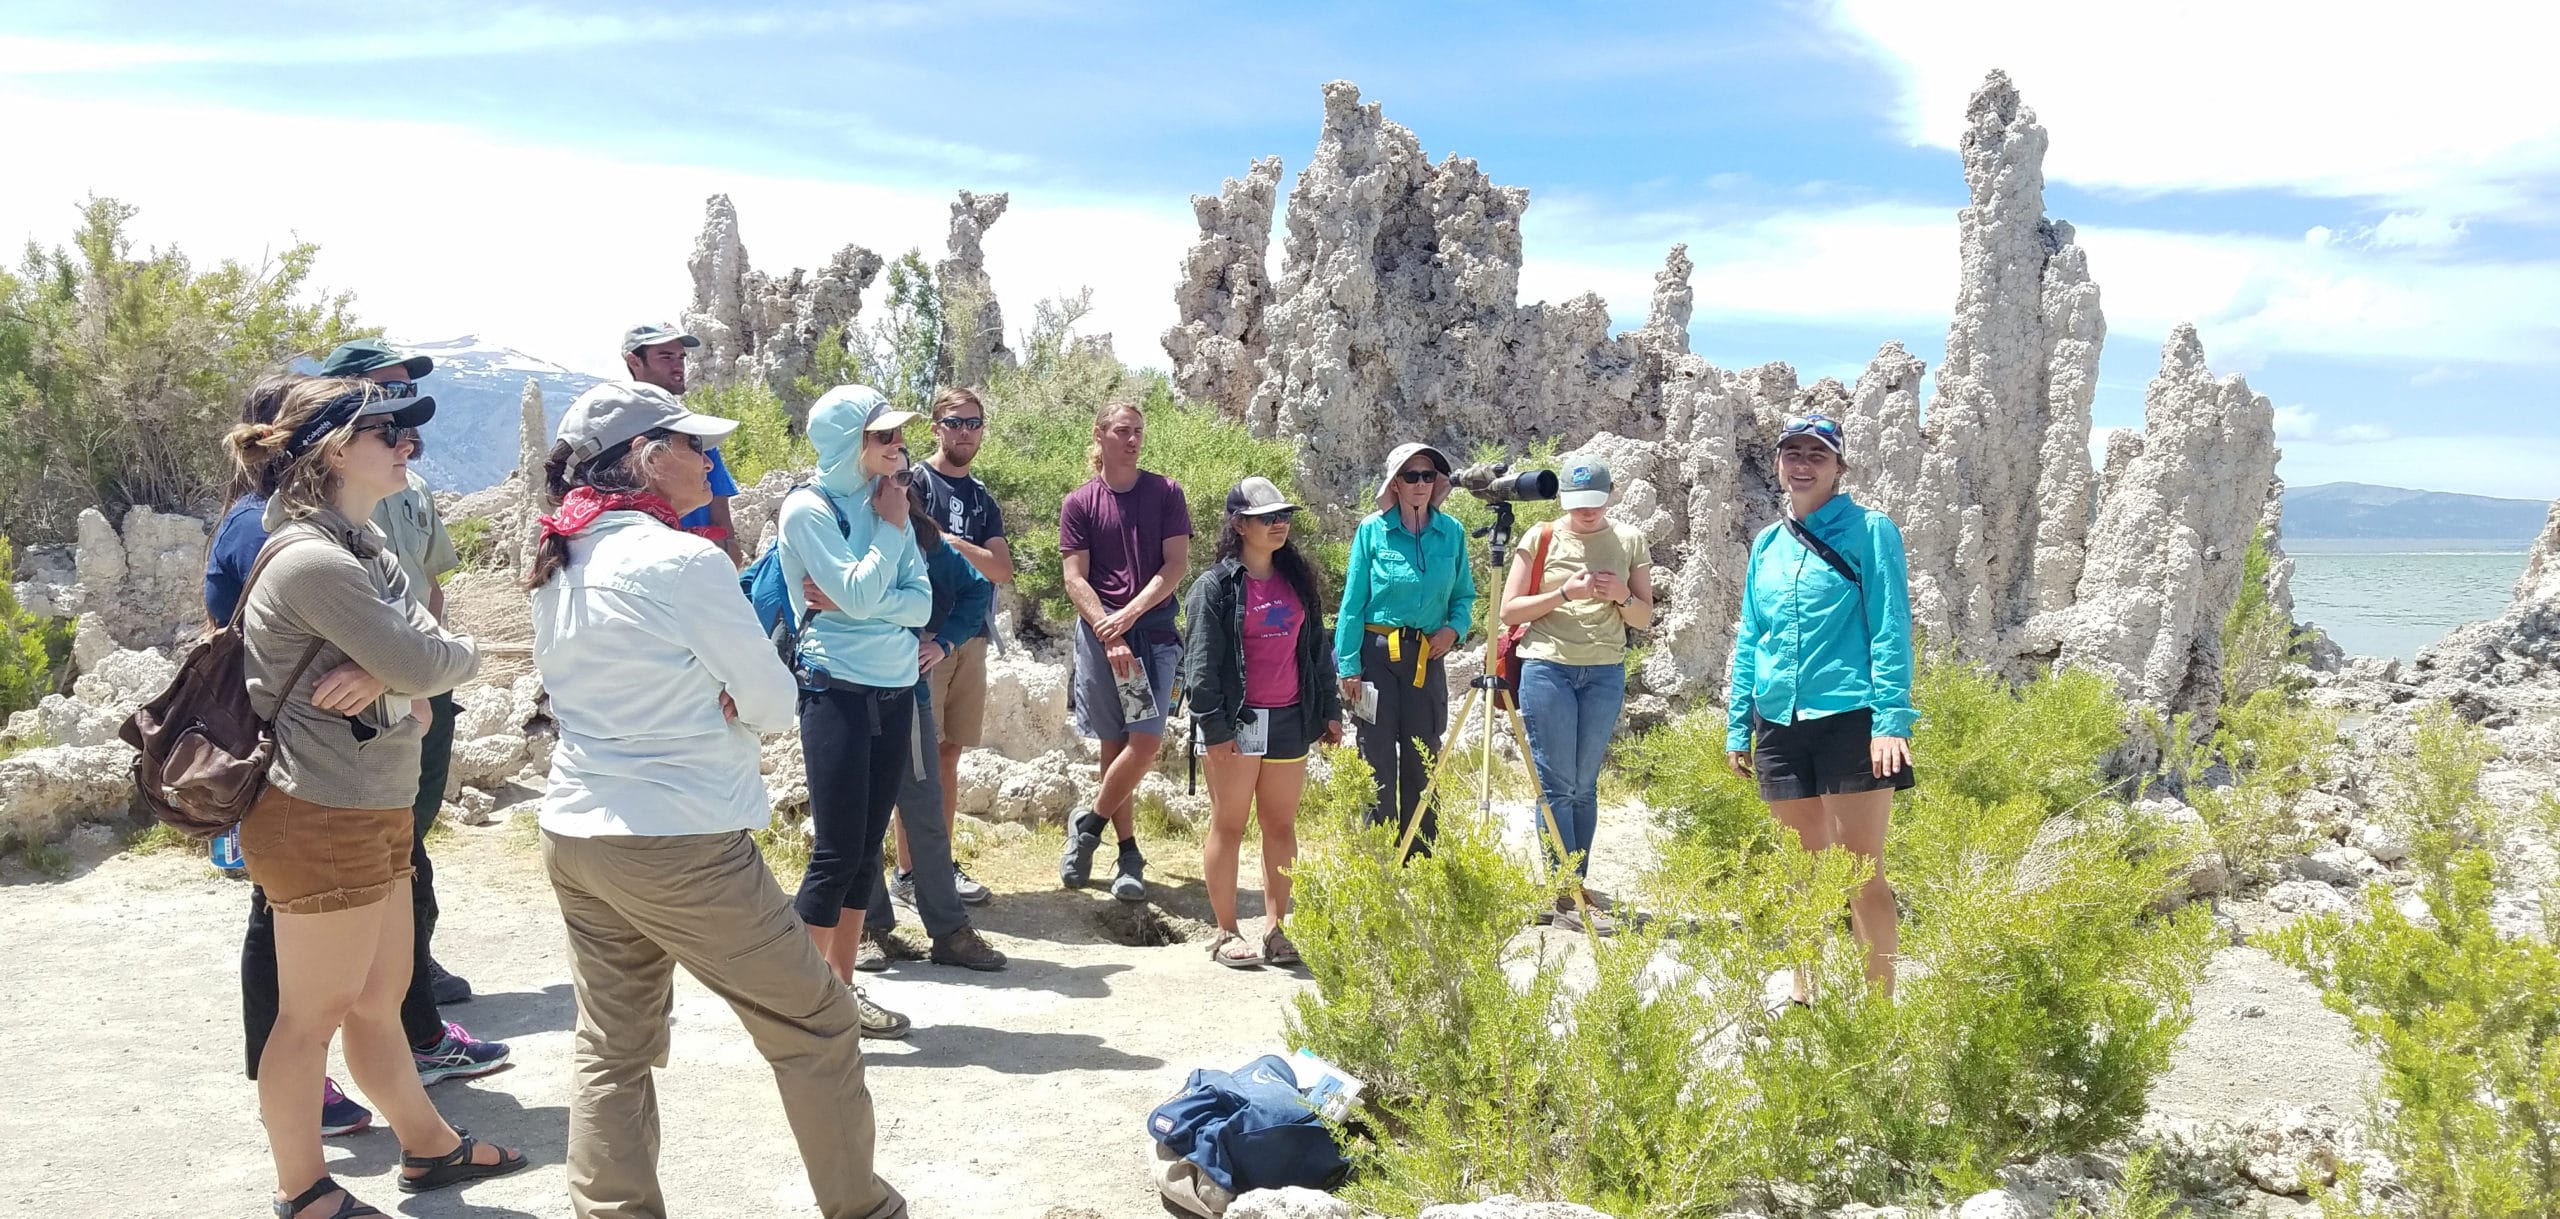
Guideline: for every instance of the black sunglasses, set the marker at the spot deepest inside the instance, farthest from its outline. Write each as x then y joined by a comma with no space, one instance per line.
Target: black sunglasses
397,389
393,435
970,424
1417,476
1282,517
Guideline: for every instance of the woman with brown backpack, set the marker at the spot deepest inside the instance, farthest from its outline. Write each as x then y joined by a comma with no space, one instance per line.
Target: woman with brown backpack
329,840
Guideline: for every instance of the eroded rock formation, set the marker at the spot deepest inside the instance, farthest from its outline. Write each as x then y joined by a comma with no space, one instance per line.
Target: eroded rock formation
2518,648
972,321
1217,347
1999,528
755,326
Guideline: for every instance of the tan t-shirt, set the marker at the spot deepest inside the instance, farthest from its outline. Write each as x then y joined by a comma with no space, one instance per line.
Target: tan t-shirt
1584,632
417,537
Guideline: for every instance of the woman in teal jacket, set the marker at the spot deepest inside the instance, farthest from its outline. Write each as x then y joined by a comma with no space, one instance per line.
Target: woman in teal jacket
852,557
1408,596
1819,708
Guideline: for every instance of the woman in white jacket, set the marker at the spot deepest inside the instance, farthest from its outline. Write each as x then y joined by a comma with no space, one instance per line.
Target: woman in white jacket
660,681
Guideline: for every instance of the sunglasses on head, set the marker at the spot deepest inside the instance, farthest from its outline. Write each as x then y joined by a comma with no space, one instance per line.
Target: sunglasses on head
1417,476
962,423
397,389
1817,425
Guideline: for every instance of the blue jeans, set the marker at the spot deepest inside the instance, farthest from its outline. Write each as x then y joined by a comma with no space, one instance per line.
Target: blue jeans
1571,712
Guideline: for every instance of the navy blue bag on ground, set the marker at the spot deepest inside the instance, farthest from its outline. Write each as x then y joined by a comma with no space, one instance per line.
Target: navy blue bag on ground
766,590
1250,1129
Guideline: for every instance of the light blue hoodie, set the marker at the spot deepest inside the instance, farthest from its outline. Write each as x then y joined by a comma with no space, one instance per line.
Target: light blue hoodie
873,572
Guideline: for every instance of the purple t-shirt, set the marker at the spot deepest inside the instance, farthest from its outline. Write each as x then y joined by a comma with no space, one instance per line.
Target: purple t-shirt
1272,616
1122,534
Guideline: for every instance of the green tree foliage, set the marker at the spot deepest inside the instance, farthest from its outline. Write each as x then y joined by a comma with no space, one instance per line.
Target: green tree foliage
2039,997
30,647
902,355
118,371
2259,641
766,439
2465,1019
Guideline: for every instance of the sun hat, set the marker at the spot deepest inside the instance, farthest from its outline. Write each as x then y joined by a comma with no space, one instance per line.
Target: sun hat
1404,453
616,412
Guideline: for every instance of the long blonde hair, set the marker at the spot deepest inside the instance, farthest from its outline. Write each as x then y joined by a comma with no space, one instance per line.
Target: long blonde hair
1101,419
302,484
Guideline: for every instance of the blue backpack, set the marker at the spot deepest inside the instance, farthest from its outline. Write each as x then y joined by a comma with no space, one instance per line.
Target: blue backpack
1250,1129
770,594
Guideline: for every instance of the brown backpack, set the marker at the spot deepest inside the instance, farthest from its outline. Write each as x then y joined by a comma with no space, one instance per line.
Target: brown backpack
201,753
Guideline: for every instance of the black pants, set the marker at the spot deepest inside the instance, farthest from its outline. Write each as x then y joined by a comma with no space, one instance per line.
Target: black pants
854,742
418,1014
1412,722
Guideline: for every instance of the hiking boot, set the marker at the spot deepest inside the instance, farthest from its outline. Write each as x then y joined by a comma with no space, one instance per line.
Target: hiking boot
1084,837
448,989
971,892
902,887
966,947
878,1021
890,945
1570,919
459,1056
339,1113
1129,882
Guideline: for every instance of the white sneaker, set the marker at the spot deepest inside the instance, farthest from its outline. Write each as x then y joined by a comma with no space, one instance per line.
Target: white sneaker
878,1021
971,892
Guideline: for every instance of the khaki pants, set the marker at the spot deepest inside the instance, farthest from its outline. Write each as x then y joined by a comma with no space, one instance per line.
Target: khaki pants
638,907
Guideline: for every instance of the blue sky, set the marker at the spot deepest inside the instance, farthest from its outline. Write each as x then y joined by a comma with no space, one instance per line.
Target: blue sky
2360,208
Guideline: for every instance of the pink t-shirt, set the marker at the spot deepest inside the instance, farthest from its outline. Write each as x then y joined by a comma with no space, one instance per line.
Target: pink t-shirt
1272,616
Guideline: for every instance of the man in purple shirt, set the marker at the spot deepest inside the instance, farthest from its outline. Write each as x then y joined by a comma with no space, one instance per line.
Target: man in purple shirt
1125,539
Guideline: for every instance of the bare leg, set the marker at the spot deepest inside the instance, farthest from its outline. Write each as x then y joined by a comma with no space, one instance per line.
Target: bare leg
1124,762
826,939
898,834
1275,803
321,963
1231,782
377,1047
1859,820
1812,824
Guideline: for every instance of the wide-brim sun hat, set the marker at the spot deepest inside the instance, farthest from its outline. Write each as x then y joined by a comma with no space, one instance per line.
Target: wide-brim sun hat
1404,453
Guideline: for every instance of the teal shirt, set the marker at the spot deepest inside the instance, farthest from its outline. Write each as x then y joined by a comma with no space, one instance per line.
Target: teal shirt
1809,640
1395,578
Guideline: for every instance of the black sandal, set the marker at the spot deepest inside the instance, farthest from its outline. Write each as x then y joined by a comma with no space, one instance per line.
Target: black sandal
455,1167
348,1207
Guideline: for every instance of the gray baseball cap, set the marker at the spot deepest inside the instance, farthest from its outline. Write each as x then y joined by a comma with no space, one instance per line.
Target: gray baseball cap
1586,485
617,411
654,333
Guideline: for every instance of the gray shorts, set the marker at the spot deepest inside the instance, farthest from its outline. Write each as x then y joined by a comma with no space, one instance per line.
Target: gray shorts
1094,692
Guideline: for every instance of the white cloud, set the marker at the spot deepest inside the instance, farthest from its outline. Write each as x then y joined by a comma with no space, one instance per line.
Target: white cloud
2441,374
2416,229
2296,423
2359,98
549,250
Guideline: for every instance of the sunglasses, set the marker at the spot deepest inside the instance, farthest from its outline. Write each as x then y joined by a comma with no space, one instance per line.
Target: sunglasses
1817,425
958,423
397,389
1284,517
1418,476
393,435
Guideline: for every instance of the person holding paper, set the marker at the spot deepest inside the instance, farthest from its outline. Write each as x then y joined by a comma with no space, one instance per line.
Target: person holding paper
1256,670
1408,596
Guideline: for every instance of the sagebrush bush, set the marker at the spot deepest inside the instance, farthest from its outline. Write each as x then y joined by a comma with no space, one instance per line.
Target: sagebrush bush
2039,996
2260,644
471,543
766,439
2465,1019
31,648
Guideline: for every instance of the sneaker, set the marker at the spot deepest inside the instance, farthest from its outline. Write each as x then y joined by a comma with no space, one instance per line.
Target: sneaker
1076,866
459,1056
971,892
339,1113
966,947
902,887
1130,884
1570,919
449,989
868,958
878,1021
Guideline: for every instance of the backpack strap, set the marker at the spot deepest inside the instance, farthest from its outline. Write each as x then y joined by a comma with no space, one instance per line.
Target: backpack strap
1538,559
1823,551
240,613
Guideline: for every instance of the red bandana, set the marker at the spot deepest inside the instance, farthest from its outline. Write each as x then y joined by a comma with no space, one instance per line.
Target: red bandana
583,505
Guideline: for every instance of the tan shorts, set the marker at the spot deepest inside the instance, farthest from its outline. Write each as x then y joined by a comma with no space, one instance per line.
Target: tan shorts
959,688
313,859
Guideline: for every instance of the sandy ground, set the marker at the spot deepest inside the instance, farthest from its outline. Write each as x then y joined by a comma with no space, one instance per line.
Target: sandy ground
1017,1093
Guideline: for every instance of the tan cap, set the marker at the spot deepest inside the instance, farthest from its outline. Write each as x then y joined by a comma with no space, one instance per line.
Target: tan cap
617,411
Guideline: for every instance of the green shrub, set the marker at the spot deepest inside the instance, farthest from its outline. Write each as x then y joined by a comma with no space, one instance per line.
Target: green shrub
116,371
2465,1020
766,439
2259,641
471,541
2277,749
31,648
2039,997
785,846
2139,1194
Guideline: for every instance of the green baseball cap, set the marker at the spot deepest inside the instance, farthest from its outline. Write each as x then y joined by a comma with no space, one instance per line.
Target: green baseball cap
360,356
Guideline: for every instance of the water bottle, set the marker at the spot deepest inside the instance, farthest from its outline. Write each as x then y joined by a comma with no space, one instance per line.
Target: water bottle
226,850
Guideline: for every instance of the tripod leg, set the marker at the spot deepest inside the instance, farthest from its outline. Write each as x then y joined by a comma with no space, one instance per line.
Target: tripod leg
1547,815
1439,767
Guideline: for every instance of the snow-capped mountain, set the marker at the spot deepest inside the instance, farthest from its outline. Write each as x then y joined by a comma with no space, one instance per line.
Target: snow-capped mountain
479,392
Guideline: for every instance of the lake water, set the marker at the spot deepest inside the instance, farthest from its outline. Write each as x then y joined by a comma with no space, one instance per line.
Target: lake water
2394,597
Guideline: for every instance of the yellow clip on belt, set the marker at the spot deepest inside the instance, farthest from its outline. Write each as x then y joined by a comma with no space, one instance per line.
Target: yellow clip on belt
1395,646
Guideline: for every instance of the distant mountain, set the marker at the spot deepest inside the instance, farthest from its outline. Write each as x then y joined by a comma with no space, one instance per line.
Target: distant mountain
479,393
2360,510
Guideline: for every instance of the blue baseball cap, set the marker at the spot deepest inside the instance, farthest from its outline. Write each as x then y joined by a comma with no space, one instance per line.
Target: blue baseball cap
1587,484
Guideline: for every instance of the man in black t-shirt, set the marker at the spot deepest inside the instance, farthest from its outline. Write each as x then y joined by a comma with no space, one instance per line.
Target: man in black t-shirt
974,526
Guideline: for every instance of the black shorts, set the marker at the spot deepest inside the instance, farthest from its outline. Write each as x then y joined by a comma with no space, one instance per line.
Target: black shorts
1818,757
1290,737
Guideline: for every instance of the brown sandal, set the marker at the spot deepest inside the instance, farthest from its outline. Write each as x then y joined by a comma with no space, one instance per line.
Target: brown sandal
1250,958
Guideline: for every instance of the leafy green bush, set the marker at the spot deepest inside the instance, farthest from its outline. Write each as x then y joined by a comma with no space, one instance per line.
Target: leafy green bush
2465,1020
116,370
2139,1194
30,647
2259,641
2039,996
766,438
2277,749
471,542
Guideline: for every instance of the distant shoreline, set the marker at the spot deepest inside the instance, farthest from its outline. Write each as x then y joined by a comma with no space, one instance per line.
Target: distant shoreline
2406,546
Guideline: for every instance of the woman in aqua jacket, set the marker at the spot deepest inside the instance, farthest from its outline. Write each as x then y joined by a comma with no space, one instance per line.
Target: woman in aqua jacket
1408,596
1820,704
